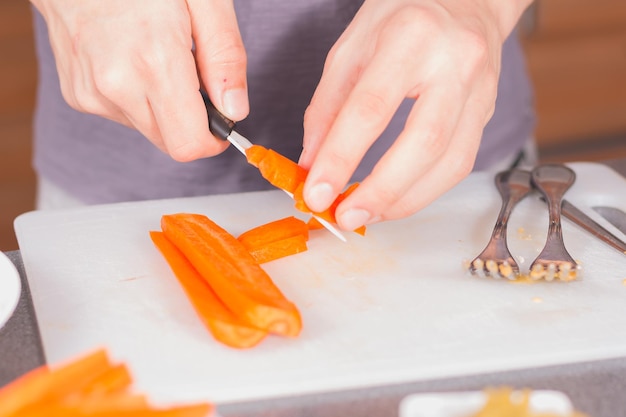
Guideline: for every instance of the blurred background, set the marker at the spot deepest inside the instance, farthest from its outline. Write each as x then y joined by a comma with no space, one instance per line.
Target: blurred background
576,53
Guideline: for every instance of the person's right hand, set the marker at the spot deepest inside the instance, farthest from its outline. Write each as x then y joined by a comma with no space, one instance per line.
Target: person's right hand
132,62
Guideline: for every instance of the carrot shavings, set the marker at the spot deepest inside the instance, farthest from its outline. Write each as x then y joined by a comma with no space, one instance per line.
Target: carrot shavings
221,322
232,273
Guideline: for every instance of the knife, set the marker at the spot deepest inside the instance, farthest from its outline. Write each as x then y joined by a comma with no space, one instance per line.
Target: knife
224,128
577,216
614,216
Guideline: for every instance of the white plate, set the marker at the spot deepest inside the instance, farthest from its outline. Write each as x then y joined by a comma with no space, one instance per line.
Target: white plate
10,288
463,404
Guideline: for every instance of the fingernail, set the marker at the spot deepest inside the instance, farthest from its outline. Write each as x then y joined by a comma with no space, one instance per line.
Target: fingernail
353,218
235,103
320,196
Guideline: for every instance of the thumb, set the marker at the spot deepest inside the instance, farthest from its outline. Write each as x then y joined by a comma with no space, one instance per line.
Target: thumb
220,55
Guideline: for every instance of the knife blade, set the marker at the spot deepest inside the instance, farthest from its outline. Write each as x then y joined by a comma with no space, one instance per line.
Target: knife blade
224,128
614,216
577,216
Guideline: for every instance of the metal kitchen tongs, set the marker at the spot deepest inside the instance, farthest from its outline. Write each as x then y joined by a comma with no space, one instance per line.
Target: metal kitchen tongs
224,128
554,262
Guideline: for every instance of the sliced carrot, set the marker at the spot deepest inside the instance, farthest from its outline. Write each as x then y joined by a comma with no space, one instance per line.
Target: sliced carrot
276,239
279,170
255,154
221,322
273,231
278,249
46,384
329,213
231,271
314,224
87,386
108,410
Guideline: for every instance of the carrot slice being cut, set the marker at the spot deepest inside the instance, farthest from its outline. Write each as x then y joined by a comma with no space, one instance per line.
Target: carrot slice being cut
221,322
233,273
279,170
276,239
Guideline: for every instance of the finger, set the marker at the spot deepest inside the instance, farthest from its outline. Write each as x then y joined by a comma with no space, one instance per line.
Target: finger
339,76
425,138
180,113
221,55
454,166
364,115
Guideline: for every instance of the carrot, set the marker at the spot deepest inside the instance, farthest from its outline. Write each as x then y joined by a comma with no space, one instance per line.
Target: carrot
255,154
221,322
113,410
46,384
276,239
285,174
231,271
280,171
277,249
88,386
329,213
273,231
314,224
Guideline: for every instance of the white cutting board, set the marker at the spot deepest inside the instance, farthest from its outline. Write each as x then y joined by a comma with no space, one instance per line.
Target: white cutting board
391,307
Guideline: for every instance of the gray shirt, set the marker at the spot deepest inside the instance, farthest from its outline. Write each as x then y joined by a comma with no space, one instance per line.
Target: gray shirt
99,161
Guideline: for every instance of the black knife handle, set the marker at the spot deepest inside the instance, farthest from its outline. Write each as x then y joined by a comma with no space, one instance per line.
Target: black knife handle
220,125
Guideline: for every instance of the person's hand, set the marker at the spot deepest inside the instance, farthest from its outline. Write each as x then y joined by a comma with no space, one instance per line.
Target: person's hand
443,53
132,62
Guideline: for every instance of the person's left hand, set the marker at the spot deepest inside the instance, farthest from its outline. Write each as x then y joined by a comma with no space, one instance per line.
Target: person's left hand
445,54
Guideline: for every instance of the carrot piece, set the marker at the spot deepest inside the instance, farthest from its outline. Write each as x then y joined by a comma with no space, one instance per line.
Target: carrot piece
255,154
329,213
46,384
87,386
221,322
277,239
273,231
314,224
278,249
279,170
231,271
111,410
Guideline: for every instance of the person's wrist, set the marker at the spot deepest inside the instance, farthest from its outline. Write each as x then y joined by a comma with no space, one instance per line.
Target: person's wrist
507,13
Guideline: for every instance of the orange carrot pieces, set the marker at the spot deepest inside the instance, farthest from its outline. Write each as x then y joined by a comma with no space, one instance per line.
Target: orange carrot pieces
273,231
278,249
113,380
280,171
276,239
221,322
314,224
43,384
255,154
87,386
329,213
233,274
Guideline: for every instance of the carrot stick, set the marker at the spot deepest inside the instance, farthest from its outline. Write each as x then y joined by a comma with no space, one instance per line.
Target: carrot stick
273,231
115,379
329,213
221,322
255,154
231,271
276,239
107,410
277,249
279,170
46,384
